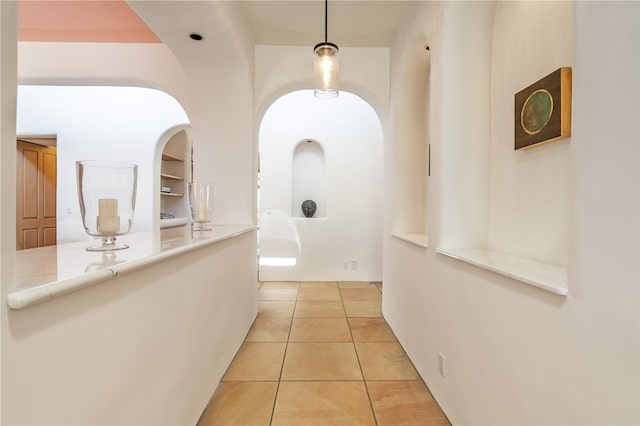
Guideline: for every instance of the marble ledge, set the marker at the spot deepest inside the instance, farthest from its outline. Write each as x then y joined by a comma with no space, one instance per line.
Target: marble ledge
49,272
541,275
420,240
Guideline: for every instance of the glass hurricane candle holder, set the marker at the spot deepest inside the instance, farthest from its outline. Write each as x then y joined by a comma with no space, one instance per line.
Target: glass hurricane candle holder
201,199
107,195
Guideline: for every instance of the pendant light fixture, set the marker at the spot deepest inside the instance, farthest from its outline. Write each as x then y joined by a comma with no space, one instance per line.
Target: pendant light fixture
325,66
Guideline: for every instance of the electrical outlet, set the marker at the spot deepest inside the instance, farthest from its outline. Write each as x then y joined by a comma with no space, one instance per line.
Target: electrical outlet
441,364
354,265
346,265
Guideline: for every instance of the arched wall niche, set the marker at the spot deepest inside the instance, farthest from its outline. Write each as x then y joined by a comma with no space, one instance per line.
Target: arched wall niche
498,211
308,178
174,166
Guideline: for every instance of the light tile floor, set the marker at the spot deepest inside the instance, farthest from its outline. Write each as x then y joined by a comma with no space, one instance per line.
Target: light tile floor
320,353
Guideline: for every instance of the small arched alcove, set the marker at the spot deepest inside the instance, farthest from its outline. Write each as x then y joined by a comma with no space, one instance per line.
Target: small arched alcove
308,178
174,155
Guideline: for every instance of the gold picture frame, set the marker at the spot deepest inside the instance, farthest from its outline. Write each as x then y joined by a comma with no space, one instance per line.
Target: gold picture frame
542,111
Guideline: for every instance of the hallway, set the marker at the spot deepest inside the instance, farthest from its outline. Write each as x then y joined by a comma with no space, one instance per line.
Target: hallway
320,353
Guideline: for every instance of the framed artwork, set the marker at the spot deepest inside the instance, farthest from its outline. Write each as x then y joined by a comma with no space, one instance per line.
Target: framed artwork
543,110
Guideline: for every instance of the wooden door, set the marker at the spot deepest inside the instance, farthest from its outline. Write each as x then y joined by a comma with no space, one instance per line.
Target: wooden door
36,196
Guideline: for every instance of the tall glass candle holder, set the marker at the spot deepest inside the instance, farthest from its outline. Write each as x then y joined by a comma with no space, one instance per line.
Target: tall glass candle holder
107,195
201,204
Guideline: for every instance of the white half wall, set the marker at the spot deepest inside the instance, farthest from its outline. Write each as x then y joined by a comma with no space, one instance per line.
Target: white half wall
145,348
349,227
100,123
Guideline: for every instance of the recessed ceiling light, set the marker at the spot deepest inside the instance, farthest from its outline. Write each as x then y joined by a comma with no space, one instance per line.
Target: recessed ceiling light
196,36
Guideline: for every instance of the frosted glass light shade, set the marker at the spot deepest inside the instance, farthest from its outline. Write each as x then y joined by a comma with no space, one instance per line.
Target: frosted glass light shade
107,196
326,69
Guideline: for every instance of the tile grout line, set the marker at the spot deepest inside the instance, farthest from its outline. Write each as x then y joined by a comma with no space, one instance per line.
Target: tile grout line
284,356
367,339
353,342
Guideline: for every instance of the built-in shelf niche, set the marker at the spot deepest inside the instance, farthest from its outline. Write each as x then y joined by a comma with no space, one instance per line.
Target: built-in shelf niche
174,176
411,149
308,178
503,210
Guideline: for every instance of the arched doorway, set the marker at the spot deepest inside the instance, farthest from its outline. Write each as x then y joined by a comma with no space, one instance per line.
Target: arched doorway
343,241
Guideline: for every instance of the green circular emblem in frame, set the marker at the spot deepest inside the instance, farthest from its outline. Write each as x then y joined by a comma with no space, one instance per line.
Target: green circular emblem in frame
536,111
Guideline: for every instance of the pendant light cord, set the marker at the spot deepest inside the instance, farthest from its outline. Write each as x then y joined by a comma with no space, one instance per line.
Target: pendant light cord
326,8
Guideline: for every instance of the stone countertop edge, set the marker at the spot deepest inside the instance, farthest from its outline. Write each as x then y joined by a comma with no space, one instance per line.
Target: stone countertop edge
21,299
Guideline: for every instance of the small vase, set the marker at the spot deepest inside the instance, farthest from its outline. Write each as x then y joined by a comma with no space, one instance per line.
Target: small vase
309,208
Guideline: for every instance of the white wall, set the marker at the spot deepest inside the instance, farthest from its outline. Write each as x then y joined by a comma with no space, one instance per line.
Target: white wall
100,123
516,354
349,226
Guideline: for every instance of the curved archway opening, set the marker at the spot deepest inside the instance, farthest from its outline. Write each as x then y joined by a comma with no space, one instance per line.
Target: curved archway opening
102,122
342,168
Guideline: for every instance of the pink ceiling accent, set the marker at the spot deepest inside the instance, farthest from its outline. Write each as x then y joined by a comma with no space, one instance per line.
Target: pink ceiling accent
106,21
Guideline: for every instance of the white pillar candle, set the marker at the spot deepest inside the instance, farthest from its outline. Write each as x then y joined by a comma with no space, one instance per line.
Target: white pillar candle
203,215
108,219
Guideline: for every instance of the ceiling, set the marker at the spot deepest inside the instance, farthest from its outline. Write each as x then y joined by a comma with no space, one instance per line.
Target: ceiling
301,23
358,23
81,21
